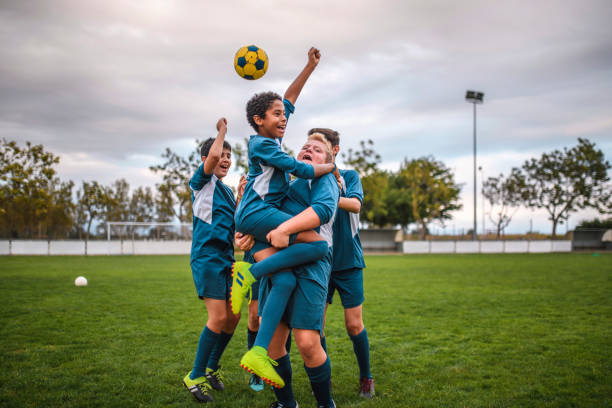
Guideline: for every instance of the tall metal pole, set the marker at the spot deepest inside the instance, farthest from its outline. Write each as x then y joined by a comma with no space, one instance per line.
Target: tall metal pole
474,233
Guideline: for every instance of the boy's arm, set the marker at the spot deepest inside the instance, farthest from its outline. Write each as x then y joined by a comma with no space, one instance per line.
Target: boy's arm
350,204
322,208
272,155
214,155
292,93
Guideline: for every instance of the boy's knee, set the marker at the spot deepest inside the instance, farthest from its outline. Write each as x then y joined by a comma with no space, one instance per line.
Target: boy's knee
320,248
354,327
284,281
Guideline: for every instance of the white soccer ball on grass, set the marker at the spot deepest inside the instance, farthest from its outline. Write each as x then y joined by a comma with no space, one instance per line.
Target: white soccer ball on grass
80,281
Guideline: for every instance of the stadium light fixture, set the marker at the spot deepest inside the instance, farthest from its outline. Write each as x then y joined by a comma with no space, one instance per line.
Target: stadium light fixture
475,98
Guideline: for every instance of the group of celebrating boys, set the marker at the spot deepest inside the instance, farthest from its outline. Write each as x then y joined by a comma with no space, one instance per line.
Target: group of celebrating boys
301,238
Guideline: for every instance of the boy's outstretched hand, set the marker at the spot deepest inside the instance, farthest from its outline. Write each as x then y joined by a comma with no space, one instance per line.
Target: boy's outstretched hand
222,125
314,55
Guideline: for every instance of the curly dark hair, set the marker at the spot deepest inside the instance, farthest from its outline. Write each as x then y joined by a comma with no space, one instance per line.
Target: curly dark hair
258,105
331,135
205,149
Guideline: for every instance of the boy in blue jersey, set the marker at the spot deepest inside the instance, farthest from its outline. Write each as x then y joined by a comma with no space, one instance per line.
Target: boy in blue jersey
348,264
212,255
258,214
305,310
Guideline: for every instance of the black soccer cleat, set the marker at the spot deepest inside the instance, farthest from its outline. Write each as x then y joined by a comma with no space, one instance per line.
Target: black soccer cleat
215,379
199,388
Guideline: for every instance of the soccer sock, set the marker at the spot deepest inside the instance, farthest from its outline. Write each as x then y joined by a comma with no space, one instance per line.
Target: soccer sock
250,338
288,343
361,346
283,284
319,381
218,349
208,339
293,255
285,395
324,344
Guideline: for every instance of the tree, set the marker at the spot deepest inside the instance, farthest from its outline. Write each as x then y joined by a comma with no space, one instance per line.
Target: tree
433,192
374,181
505,194
142,205
176,172
28,185
92,201
562,182
241,156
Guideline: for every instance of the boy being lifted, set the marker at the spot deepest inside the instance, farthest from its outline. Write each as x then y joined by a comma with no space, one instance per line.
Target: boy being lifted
258,214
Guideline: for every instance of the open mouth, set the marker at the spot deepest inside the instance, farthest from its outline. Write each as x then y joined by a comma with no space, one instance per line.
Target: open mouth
306,156
224,166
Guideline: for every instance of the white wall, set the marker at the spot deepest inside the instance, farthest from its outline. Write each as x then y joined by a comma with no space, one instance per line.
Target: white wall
485,247
75,247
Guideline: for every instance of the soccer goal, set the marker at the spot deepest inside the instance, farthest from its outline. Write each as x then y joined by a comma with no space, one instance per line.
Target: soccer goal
157,231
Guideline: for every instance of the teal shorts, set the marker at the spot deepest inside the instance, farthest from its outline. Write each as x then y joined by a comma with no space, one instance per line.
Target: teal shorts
306,306
349,284
212,276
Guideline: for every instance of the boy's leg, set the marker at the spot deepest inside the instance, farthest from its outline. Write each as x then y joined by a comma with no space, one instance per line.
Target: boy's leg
350,288
255,382
316,364
278,352
213,372
254,360
195,380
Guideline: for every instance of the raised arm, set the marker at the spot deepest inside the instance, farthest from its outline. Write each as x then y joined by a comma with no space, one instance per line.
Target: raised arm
214,155
292,93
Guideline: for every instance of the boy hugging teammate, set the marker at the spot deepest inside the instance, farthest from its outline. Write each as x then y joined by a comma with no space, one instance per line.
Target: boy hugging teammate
259,214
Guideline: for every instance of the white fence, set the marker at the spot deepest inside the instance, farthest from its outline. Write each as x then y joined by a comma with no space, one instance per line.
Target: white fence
485,247
114,247
128,247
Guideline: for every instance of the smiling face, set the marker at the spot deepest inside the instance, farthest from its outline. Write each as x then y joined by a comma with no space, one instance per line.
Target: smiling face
314,152
274,122
224,164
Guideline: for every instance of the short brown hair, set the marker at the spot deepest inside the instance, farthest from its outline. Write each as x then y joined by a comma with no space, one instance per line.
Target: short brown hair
331,135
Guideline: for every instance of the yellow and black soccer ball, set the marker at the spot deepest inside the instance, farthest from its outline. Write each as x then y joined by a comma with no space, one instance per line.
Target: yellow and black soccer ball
251,62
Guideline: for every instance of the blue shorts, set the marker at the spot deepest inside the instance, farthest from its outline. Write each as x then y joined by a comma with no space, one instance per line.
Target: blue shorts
349,284
306,306
212,276
261,222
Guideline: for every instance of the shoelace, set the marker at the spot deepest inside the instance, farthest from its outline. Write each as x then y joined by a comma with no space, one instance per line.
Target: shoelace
271,360
204,386
217,375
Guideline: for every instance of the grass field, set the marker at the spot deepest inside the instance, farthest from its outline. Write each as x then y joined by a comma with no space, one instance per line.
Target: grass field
445,331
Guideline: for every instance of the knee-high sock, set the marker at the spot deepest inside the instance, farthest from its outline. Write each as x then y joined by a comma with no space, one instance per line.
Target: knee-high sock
283,284
285,395
288,343
250,338
208,339
319,381
361,346
293,255
324,344
218,349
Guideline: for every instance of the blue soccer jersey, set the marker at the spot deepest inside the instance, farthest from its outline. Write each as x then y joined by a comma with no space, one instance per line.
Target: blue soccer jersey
213,216
269,169
348,253
322,195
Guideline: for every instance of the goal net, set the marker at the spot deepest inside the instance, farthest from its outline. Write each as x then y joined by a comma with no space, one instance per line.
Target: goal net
158,231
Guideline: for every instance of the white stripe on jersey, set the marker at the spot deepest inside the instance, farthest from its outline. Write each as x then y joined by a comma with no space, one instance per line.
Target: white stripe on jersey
327,231
262,182
203,200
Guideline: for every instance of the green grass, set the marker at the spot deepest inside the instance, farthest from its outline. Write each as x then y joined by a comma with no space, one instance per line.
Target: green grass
445,331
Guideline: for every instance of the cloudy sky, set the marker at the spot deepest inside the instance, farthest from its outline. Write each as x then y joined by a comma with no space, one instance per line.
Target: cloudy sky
108,85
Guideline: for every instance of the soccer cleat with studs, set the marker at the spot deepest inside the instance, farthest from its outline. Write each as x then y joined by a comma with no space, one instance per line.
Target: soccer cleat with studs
242,279
215,379
198,387
366,387
256,361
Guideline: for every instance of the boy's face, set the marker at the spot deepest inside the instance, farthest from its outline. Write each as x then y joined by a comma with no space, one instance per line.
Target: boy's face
224,164
313,152
274,123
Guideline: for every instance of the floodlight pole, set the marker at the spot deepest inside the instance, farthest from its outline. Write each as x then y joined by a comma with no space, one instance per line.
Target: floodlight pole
474,97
